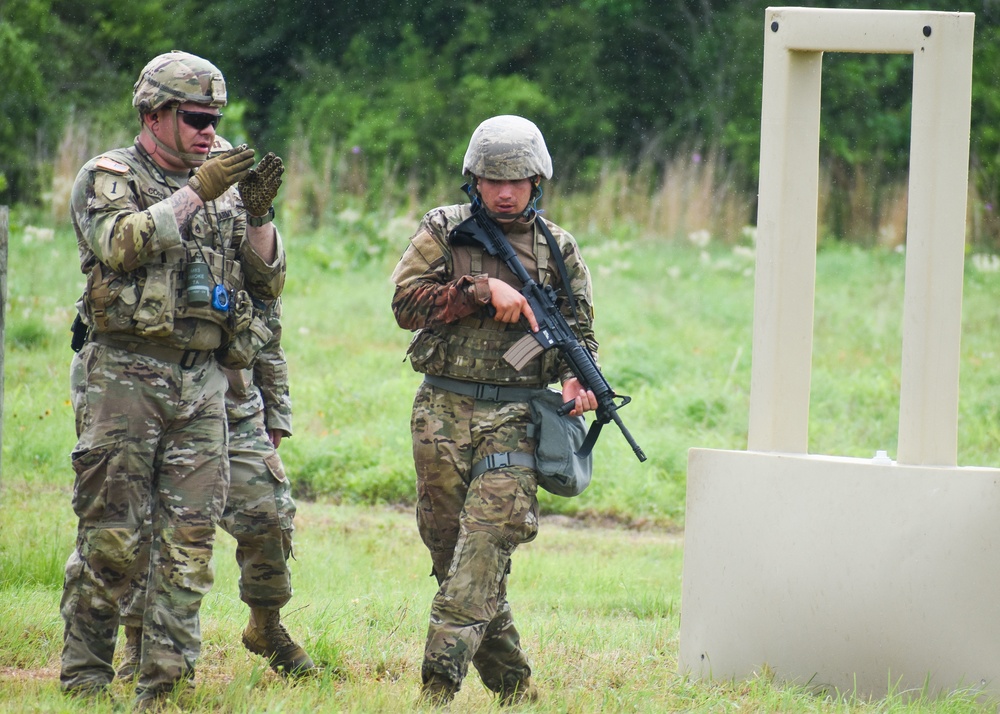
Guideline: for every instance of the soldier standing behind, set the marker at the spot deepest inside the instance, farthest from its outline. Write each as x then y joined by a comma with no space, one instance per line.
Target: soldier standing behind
473,511
259,511
173,260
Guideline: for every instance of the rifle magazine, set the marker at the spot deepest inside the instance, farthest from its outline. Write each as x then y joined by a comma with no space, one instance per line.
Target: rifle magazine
522,352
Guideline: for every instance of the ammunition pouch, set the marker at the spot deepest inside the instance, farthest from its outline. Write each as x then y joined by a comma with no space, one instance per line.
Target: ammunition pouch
154,316
110,299
248,334
427,352
475,353
147,301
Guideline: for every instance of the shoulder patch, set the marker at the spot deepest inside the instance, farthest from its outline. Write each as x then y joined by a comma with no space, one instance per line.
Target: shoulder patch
109,186
106,163
427,246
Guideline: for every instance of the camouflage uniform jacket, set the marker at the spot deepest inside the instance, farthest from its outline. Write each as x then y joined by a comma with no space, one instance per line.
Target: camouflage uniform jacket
442,291
265,385
135,254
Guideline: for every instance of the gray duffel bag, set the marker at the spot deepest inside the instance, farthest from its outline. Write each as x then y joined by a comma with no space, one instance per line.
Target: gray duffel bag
560,470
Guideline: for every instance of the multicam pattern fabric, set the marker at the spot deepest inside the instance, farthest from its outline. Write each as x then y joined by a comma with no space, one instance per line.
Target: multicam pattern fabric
270,376
178,77
457,337
123,404
259,513
259,509
265,385
151,435
471,530
507,147
472,526
127,233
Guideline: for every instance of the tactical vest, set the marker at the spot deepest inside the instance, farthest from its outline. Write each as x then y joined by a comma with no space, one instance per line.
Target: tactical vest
472,348
148,300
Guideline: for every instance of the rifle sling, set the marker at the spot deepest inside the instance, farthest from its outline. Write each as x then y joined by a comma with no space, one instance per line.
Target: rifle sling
557,256
588,443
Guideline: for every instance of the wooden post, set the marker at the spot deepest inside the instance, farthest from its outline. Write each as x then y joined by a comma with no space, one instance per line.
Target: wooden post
4,223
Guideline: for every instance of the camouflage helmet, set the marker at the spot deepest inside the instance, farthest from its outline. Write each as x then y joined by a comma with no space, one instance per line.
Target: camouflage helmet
507,148
178,77
220,145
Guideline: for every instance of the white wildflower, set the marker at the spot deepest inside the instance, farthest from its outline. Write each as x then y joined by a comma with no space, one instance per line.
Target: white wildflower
349,215
700,238
39,235
399,228
986,263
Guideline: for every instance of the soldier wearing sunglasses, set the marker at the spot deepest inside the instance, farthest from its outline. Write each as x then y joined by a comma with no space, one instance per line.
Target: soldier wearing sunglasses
177,247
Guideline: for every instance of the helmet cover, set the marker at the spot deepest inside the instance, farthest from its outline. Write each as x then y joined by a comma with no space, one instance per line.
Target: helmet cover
507,148
178,77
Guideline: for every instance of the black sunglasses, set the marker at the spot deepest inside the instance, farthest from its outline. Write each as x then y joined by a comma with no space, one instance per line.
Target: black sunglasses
199,120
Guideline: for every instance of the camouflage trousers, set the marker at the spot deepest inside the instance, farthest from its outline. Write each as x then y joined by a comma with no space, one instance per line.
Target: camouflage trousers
258,514
471,527
151,449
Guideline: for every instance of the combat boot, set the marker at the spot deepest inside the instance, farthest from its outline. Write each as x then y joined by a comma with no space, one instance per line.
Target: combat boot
266,636
521,692
437,691
133,653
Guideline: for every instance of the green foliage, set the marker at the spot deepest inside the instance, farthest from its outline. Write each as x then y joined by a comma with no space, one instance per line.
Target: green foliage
60,58
29,335
391,92
23,104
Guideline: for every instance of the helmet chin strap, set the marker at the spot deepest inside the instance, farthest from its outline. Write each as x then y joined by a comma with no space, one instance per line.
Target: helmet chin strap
525,216
189,159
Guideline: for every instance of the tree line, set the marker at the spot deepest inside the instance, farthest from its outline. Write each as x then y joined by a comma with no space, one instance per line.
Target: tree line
399,86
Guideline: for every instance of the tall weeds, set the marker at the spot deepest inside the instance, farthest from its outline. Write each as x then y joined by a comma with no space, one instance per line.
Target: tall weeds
682,195
81,140
686,194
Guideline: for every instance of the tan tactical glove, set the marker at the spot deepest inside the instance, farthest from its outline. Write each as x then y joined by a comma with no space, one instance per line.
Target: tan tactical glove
217,174
260,186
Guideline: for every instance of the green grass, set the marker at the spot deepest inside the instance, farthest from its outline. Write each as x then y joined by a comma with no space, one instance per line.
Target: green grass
598,610
599,607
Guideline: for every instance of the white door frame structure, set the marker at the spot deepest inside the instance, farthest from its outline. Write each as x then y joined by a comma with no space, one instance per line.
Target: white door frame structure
832,571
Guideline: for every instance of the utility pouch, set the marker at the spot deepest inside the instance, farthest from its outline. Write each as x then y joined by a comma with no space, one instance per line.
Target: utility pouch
560,470
79,330
427,352
110,300
249,336
155,314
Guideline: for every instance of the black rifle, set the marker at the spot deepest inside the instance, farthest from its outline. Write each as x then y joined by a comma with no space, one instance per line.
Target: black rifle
553,330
